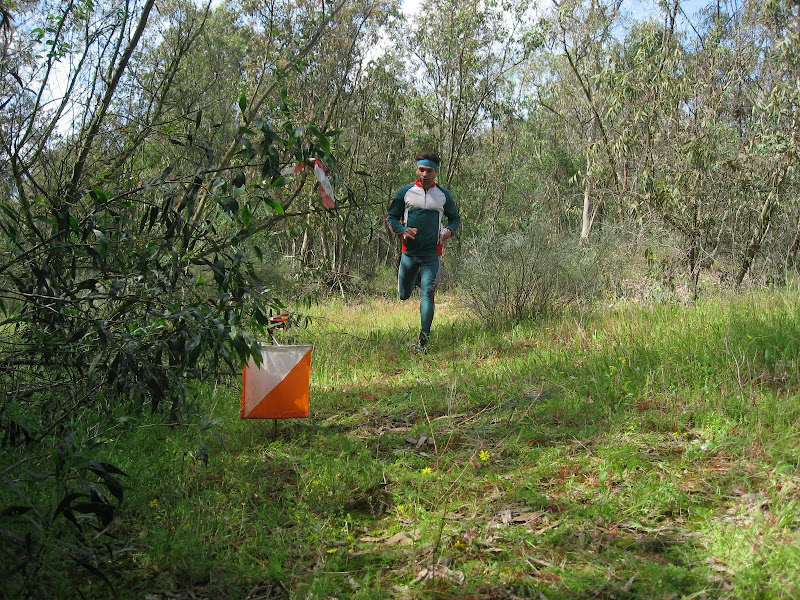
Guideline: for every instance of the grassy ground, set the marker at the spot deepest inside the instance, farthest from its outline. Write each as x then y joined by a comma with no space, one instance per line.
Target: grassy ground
637,452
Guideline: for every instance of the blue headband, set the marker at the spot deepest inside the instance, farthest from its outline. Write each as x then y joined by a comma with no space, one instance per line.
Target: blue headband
428,163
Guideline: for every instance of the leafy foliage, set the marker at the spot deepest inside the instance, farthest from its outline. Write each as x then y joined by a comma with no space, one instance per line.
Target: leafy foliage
526,274
142,292
130,264
64,517
116,300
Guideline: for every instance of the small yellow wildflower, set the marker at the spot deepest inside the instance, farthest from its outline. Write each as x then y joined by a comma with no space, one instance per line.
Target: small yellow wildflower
484,455
426,471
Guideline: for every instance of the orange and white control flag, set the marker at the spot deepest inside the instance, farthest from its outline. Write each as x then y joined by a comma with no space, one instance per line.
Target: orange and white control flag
278,389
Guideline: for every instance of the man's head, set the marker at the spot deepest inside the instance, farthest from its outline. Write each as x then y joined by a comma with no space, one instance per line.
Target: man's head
427,168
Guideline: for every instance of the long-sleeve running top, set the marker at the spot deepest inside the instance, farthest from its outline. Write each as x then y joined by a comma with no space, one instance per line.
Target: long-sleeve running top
412,206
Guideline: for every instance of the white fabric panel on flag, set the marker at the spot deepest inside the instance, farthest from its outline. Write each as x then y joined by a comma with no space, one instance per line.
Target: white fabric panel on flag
277,363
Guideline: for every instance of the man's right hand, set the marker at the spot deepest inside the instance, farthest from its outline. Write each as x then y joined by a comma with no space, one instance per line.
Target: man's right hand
410,233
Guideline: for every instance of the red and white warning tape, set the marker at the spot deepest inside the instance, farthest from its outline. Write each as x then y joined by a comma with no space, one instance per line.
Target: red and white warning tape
325,187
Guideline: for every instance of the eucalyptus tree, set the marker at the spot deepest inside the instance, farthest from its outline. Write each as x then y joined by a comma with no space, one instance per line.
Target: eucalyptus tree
721,60
581,92
678,146
464,55
724,159
381,147
328,91
771,156
659,113
183,86
135,188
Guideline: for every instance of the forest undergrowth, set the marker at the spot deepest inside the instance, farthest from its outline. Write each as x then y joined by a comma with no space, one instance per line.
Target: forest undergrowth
628,452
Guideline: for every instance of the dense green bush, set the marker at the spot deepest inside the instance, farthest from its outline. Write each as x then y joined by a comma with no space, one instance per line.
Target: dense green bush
111,306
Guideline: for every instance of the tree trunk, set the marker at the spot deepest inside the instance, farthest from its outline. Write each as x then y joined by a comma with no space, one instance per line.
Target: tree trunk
791,255
754,245
771,201
586,222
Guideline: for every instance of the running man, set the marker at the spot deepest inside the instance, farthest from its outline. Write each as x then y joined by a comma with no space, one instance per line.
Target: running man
416,214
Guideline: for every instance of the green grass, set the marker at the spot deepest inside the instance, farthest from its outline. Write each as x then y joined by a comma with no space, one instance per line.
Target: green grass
634,452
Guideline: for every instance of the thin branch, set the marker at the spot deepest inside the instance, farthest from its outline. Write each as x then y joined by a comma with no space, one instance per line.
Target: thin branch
94,127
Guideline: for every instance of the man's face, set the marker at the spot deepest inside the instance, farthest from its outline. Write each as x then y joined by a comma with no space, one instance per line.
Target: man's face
426,176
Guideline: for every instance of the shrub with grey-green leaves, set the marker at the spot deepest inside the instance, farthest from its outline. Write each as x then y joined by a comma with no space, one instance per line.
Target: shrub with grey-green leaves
525,274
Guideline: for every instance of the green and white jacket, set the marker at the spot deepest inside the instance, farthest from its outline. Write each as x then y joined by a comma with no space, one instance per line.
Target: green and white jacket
412,206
